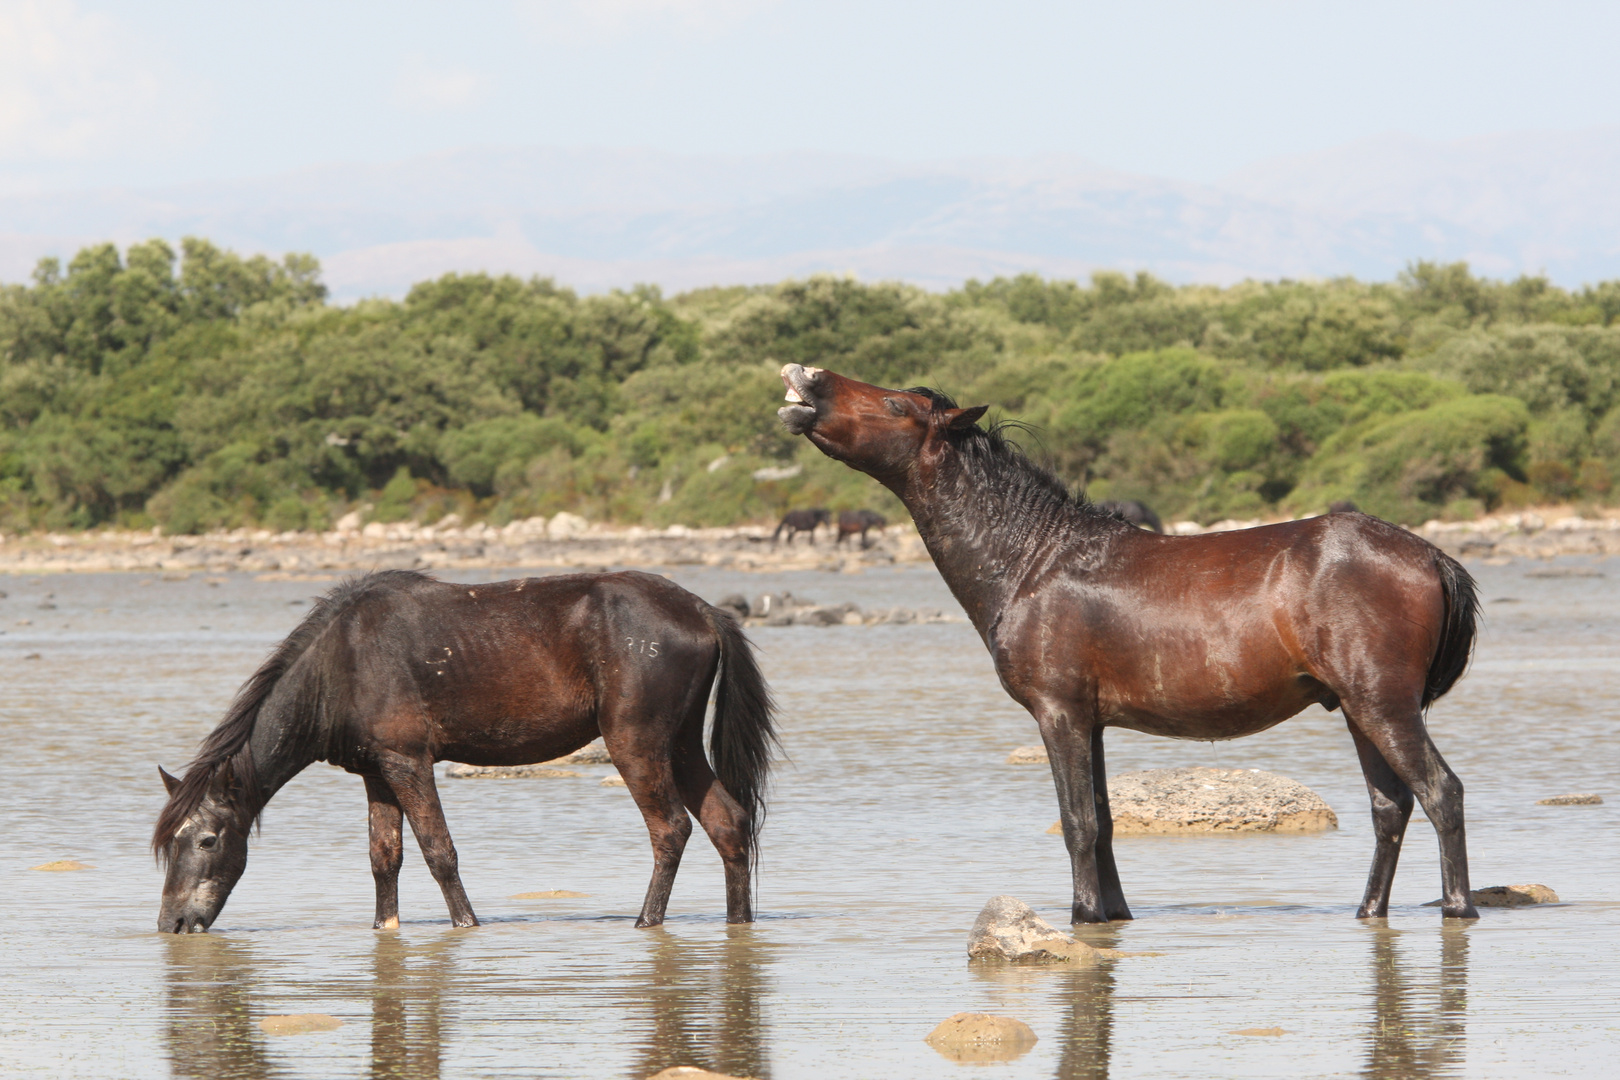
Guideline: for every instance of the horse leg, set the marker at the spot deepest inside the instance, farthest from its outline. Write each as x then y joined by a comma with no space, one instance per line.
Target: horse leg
1068,747
1113,896
649,775
413,786
1398,733
726,825
1391,809
387,851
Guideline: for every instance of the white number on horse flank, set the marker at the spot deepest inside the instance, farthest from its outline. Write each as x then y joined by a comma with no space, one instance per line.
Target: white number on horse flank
642,646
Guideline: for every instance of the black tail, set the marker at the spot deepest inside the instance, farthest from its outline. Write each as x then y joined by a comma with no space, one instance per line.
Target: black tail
1457,631
743,735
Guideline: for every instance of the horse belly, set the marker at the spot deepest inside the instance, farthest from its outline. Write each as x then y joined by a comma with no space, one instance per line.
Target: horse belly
1223,693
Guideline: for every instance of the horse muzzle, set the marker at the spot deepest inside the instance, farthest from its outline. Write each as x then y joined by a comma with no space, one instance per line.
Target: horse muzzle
799,415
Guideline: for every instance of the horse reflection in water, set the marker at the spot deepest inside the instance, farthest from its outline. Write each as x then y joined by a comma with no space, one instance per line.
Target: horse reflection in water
408,989
1419,1031
210,1032
705,1000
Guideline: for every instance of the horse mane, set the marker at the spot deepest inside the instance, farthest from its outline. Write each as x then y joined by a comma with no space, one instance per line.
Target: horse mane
227,746
990,459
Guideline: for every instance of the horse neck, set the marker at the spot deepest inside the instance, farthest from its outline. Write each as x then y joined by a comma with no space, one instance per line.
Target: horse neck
281,744
984,538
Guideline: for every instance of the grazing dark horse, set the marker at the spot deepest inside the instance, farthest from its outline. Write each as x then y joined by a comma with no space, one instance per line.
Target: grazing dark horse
1093,623
802,521
1133,513
394,671
1343,506
851,522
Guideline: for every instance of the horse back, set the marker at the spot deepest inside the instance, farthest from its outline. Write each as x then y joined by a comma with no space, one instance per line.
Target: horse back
519,671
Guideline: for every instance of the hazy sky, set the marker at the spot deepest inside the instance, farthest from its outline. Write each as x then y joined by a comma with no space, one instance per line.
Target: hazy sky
96,93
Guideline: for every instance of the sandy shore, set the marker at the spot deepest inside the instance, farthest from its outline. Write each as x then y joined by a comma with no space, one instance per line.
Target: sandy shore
537,543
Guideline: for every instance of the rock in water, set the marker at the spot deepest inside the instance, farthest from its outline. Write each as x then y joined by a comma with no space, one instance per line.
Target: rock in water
691,1072
980,1037
1204,800
1579,798
299,1024
1009,929
457,771
1028,755
61,865
1508,896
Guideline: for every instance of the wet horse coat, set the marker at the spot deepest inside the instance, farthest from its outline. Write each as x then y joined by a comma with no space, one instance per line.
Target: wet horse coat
1093,623
395,671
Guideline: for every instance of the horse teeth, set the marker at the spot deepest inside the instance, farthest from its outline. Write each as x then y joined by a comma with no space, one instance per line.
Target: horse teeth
793,396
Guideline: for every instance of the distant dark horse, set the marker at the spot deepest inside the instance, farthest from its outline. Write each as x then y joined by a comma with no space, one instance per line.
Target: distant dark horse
851,522
395,671
798,521
1132,512
1092,623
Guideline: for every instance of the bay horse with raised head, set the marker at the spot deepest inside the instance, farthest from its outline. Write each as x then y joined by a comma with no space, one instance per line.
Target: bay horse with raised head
1093,623
395,671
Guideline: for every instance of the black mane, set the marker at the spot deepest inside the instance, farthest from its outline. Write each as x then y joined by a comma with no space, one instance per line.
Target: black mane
991,460
227,745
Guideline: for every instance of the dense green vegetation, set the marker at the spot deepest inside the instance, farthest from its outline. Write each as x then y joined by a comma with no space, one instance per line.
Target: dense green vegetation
205,390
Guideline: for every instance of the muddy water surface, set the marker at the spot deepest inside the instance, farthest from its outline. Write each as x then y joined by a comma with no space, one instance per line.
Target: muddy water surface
893,821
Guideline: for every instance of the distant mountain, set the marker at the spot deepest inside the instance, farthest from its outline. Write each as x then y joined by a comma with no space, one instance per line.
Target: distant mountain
604,218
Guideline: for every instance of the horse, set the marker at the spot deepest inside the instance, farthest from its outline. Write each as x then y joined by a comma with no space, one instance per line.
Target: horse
394,671
851,522
1093,623
1132,512
798,521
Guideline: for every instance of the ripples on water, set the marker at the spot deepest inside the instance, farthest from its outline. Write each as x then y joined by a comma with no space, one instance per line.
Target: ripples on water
892,823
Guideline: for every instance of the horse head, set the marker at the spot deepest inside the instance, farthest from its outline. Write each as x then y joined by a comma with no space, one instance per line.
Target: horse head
883,433
206,853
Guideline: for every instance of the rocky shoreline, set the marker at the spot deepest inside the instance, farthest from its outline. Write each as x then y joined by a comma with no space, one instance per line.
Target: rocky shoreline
569,542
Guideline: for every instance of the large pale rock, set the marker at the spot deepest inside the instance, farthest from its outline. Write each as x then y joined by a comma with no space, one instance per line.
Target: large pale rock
458,771
1204,800
1009,929
565,525
980,1037
1579,798
691,1072
1028,755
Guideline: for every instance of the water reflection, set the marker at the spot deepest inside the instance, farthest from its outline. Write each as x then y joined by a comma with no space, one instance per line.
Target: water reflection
408,990
210,1032
1419,1029
705,1000
1085,996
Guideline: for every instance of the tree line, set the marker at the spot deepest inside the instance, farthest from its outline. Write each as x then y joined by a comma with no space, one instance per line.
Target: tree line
200,389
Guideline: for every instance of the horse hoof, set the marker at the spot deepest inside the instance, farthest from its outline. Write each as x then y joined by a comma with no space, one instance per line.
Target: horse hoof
1468,911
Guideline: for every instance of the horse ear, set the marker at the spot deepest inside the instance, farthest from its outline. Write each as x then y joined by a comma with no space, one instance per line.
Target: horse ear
962,419
169,782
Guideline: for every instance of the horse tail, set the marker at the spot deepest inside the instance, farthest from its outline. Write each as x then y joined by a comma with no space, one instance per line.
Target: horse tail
743,735
1456,628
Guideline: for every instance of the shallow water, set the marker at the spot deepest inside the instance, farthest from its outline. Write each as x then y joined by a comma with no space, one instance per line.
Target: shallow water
893,822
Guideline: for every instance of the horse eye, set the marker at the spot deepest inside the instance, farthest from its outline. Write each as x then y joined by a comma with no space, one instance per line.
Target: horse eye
895,407
208,841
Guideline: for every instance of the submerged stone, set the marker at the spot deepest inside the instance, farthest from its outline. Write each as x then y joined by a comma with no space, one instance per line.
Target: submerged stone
1008,929
1204,800
1028,755
61,865
980,1037
1579,798
550,894
299,1024
1270,1032
692,1072
1508,896
613,781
